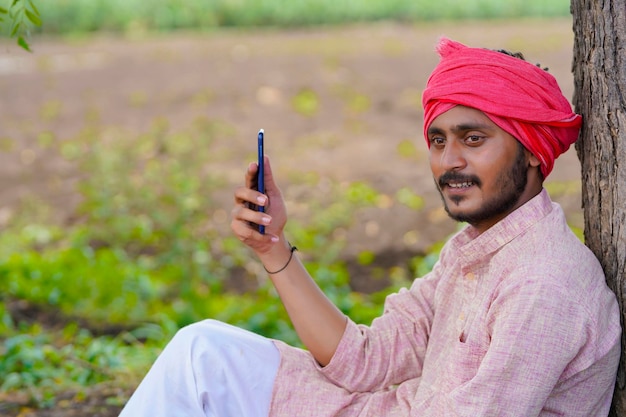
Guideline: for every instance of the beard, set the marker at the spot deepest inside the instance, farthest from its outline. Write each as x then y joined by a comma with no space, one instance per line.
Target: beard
511,184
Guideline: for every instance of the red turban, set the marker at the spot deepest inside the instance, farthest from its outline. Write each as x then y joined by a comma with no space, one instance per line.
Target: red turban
519,97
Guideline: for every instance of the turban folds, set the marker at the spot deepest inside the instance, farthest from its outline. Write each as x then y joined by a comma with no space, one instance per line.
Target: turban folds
519,97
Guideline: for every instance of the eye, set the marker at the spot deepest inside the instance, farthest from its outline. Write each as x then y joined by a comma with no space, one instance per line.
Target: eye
437,141
474,140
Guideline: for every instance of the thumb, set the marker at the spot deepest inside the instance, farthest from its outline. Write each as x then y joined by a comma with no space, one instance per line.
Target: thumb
270,184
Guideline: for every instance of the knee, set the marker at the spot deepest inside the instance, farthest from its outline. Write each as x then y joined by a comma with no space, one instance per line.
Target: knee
202,333
215,337
201,341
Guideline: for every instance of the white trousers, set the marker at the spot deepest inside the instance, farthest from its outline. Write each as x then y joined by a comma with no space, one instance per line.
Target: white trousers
209,369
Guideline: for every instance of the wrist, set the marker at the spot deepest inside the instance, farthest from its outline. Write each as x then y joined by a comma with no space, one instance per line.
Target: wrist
279,257
292,249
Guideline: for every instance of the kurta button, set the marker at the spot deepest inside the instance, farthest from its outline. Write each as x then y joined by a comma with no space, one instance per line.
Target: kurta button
470,276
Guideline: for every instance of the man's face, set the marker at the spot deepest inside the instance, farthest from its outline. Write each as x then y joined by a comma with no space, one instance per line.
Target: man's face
480,170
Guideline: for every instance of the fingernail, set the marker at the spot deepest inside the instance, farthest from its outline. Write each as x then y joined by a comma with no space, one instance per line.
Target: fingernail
275,239
266,220
260,200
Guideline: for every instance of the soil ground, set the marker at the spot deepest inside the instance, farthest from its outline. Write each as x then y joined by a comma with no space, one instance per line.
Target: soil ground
246,80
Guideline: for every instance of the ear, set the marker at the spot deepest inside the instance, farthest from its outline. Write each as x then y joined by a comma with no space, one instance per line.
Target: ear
534,166
533,161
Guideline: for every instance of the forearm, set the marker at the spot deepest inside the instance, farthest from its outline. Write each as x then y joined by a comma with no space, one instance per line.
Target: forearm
318,322
388,351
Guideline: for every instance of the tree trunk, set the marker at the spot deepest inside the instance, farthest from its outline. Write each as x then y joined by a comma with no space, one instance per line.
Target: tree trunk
600,96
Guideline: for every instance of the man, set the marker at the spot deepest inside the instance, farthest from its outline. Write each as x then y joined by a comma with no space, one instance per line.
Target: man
515,318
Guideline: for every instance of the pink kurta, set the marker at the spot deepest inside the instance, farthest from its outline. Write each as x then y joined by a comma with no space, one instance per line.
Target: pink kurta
517,321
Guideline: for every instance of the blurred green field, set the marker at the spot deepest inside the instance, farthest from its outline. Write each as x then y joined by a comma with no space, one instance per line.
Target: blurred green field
79,303
80,16
92,302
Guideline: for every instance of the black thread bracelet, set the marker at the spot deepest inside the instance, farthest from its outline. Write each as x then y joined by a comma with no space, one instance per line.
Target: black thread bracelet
292,249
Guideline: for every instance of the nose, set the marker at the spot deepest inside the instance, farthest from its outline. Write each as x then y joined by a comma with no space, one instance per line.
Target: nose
451,157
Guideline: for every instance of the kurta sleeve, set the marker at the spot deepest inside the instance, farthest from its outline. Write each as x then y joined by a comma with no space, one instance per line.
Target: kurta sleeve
392,349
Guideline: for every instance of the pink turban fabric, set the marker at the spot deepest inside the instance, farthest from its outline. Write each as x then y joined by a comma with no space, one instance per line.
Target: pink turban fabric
521,98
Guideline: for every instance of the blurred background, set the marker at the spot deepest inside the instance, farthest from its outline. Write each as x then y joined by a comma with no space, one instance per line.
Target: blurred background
125,130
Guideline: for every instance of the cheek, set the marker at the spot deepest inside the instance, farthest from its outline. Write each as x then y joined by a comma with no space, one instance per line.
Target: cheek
492,171
493,161
434,160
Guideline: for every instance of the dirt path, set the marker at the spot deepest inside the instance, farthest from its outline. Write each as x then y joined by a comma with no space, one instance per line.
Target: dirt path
367,79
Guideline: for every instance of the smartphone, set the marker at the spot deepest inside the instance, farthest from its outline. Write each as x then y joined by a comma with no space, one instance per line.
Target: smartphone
261,173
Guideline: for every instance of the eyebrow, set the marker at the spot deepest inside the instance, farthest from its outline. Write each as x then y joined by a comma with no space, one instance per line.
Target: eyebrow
464,127
434,131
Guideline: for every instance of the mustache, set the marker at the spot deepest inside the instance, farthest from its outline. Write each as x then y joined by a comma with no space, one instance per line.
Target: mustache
447,177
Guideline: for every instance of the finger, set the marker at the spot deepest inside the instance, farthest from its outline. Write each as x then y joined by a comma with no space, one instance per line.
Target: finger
251,175
248,234
246,215
242,230
271,186
245,195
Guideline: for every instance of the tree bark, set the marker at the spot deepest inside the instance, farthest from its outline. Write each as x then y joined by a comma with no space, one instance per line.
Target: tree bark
600,96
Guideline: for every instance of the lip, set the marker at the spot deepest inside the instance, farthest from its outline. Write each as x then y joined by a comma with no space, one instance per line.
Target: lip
459,188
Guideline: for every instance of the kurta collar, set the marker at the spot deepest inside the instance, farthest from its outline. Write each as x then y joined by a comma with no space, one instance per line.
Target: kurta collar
474,246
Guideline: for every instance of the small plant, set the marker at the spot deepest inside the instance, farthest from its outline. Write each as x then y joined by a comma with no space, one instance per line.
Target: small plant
42,363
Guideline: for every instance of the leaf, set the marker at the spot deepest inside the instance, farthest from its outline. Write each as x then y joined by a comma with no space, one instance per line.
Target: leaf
22,42
3,10
15,2
32,6
35,20
16,27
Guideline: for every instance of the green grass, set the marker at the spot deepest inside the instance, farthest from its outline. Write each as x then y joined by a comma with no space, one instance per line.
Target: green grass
81,16
41,363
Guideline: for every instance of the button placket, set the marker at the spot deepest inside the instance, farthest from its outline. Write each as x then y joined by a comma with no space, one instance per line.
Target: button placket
469,285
